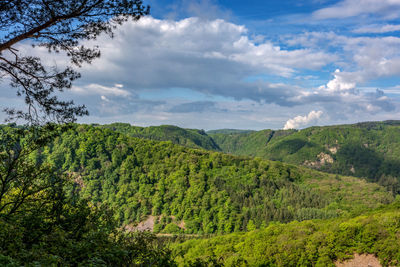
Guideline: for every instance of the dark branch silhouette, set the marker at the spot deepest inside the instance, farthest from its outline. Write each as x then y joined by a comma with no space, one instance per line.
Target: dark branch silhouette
59,26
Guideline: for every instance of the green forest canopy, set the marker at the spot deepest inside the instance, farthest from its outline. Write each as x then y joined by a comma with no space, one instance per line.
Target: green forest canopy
210,192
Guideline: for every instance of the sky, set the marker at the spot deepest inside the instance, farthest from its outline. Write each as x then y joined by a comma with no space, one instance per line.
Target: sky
272,64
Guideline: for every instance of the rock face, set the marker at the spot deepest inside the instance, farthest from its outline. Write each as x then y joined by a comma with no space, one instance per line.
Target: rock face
322,159
365,260
352,169
333,150
325,158
147,225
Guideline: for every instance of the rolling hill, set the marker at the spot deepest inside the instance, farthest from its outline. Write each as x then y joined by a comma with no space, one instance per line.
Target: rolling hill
370,149
197,191
186,137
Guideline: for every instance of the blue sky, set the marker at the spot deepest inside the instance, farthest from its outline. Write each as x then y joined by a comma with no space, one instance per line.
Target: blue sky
246,64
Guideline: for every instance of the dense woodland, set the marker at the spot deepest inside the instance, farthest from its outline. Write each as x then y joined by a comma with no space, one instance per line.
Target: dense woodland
308,243
186,137
98,182
370,150
44,222
210,192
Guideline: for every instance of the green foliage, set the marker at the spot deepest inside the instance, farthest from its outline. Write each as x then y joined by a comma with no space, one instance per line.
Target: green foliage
210,192
172,228
75,235
187,191
186,137
43,222
307,243
370,150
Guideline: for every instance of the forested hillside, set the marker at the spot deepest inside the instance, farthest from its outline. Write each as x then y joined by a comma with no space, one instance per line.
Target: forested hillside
308,243
187,137
264,212
370,149
196,191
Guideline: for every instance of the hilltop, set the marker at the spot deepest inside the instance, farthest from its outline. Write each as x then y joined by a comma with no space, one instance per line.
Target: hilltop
370,150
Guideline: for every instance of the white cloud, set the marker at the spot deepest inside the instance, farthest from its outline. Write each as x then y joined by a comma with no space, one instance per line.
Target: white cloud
104,98
339,84
364,58
98,89
352,8
216,58
377,29
300,121
342,98
209,56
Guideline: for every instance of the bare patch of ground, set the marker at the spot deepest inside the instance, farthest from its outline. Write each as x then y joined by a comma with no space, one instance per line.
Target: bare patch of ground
333,150
146,225
325,158
364,260
322,159
352,169
77,178
182,225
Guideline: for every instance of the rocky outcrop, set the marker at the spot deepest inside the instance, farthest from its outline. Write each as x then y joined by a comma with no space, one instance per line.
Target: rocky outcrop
322,159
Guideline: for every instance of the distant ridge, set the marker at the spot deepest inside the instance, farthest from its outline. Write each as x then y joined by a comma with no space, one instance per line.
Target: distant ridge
229,131
370,150
192,138
367,149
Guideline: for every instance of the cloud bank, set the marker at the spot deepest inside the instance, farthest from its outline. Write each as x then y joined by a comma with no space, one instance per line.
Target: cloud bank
209,56
213,72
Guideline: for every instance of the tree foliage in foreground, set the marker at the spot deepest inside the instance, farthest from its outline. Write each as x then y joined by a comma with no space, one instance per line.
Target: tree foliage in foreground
43,225
59,26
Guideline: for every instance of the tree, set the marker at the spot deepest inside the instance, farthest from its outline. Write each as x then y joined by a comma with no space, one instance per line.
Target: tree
23,183
40,221
59,26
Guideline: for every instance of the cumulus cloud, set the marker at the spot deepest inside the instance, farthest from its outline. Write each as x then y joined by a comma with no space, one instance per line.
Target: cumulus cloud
351,8
112,100
104,98
210,56
300,121
369,57
339,84
342,97
213,58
